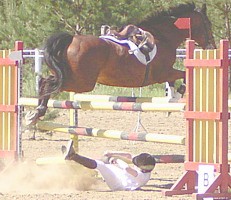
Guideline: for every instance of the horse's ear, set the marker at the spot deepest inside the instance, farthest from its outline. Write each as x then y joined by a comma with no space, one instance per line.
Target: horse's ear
204,8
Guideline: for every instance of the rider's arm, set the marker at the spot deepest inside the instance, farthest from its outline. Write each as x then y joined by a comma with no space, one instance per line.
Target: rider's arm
125,166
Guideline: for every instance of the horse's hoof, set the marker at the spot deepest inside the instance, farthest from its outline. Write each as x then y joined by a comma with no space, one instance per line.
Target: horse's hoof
182,89
173,100
177,96
32,117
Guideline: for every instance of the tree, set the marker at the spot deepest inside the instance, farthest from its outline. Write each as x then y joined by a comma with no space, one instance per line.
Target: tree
223,20
32,21
25,20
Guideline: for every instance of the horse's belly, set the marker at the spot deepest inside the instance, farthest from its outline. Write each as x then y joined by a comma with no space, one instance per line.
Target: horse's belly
118,83
122,76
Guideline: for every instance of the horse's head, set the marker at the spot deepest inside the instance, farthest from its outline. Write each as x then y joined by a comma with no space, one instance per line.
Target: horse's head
202,29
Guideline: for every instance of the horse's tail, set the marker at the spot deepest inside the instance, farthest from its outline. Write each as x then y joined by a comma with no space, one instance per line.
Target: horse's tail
55,58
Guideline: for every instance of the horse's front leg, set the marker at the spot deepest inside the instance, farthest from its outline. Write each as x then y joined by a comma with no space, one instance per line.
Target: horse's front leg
181,90
174,96
170,89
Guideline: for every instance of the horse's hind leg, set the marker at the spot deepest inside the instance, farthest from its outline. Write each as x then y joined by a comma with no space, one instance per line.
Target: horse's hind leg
179,93
173,95
33,116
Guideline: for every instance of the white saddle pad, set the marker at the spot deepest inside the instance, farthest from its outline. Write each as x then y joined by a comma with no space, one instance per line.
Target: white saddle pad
136,51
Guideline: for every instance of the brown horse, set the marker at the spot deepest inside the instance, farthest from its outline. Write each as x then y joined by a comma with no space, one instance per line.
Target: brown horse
79,62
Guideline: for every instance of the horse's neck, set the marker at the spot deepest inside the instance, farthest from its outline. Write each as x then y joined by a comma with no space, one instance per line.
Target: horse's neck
168,33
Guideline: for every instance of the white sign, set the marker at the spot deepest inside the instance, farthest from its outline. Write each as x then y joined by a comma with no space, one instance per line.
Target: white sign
16,55
205,178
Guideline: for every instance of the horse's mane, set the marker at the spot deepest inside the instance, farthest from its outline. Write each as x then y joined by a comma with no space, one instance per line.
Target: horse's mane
177,11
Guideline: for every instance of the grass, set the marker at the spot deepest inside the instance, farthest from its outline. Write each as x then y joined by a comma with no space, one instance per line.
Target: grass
148,91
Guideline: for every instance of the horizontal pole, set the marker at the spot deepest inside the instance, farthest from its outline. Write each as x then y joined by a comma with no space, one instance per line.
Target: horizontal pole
203,63
203,115
7,62
169,158
194,166
113,134
87,105
110,98
123,106
8,108
34,101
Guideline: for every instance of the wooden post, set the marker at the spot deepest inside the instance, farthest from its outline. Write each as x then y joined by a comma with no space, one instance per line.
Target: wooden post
8,105
207,121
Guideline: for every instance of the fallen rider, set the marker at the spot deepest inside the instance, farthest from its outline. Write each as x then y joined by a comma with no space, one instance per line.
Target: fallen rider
117,173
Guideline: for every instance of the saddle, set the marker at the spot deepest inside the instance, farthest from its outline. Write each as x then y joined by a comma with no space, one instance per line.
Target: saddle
144,40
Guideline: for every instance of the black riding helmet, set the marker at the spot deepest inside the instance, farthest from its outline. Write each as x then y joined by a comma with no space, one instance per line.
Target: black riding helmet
144,161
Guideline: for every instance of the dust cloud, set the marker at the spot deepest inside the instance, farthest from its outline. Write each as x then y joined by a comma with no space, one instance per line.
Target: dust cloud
27,177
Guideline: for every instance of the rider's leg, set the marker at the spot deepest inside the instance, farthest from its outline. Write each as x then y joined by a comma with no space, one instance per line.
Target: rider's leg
71,155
